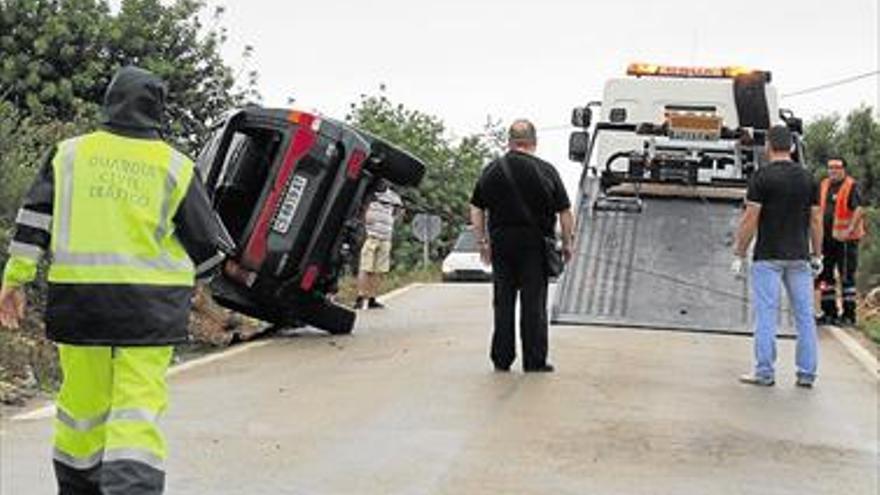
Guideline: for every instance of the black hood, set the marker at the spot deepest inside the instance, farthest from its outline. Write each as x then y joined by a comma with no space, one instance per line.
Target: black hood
134,102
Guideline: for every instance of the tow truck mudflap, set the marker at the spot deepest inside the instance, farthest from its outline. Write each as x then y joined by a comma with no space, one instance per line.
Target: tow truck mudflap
666,267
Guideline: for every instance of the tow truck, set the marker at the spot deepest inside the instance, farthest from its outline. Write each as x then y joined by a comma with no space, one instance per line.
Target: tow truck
666,169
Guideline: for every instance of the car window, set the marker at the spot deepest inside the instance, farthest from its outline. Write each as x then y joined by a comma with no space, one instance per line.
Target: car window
466,242
205,160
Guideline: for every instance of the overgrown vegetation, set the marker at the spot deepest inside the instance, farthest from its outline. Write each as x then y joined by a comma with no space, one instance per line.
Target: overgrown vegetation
453,167
57,58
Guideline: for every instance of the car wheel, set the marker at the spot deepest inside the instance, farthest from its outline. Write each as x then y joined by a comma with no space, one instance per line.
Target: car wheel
395,165
331,318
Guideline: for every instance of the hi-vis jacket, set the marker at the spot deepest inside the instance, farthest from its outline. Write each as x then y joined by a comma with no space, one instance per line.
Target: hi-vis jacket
842,228
127,226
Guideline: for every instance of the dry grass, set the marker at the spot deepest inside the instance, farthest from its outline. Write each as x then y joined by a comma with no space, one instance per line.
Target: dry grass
869,315
394,280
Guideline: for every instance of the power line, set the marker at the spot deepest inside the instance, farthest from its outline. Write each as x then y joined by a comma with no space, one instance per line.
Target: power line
831,84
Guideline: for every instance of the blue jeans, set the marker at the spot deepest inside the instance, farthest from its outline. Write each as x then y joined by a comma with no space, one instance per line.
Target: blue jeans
797,277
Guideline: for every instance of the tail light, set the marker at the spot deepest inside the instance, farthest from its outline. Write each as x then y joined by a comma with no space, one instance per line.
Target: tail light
356,163
310,277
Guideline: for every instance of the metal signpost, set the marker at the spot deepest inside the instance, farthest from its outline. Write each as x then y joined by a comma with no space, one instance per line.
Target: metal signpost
426,228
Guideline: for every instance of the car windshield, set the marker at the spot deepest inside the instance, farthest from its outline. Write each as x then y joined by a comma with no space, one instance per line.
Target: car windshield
466,242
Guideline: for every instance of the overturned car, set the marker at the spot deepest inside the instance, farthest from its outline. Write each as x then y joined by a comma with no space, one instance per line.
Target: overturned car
289,188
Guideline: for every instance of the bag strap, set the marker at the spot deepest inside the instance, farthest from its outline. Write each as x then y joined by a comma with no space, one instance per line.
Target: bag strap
530,217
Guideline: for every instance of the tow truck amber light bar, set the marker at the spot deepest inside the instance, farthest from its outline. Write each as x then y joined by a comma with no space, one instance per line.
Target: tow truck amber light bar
639,70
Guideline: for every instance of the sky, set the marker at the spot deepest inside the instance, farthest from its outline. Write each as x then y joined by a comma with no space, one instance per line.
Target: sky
466,60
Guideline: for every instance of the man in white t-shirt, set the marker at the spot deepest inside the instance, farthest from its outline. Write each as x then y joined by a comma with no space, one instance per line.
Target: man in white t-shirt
376,251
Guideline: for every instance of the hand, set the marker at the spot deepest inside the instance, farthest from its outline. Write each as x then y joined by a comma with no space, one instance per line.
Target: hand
12,303
816,265
738,267
485,253
567,252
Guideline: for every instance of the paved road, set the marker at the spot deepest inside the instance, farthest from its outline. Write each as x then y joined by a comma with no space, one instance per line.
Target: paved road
409,405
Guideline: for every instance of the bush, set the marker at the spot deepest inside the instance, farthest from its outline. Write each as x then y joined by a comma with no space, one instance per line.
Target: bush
868,276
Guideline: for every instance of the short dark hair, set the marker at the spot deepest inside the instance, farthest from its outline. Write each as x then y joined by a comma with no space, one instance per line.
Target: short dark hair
835,159
522,132
779,138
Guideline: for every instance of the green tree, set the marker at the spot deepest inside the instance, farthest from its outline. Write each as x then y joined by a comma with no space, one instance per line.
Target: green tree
453,167
56,58
856,139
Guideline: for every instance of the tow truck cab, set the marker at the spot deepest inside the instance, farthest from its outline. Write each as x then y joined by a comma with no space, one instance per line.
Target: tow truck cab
289,186
688,125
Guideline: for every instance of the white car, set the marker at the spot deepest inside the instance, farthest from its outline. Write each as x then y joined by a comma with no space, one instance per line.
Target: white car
463,262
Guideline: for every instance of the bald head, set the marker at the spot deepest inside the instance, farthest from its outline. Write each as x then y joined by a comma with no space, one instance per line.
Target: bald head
522,136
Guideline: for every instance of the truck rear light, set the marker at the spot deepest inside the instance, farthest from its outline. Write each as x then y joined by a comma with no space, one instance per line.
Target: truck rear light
310,277
356,163
730,72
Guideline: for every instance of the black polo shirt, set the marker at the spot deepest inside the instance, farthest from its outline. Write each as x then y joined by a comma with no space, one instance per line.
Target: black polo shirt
786,192
539,184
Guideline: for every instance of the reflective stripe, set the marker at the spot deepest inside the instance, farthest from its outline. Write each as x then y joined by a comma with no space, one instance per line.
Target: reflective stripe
117,259
136,455
210,263
68,156
177,161
29,251
144,415
34,220
81,424
80,463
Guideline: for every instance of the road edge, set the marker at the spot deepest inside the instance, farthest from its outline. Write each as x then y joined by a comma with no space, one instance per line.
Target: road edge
48,410
855,349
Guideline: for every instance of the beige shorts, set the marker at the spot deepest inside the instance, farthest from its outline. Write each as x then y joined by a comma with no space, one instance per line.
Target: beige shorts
376,256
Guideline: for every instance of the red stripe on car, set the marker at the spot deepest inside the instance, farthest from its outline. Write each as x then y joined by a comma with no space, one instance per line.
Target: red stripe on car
303,140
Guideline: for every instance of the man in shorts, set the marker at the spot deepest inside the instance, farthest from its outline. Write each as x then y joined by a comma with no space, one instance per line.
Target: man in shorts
376,251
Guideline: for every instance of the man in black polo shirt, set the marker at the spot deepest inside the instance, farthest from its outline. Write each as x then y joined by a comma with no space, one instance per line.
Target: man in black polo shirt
529,192
782,205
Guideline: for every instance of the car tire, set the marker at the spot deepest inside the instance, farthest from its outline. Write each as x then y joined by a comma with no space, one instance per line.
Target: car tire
395,165
332,318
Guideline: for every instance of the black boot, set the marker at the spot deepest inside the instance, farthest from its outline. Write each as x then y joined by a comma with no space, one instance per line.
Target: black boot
829,313
848,319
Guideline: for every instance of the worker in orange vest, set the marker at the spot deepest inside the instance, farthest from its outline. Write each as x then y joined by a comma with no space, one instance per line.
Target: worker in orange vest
840,202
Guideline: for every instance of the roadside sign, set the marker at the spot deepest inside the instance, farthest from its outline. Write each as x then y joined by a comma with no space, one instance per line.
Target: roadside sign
427,227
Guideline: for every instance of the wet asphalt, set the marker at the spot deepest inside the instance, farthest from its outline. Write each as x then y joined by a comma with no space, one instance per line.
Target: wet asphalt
409,404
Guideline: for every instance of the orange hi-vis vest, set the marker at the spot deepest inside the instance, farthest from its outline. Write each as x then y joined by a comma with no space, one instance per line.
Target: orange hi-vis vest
843,215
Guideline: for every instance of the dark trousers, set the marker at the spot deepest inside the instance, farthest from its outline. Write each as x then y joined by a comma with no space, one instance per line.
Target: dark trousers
839,258
518,268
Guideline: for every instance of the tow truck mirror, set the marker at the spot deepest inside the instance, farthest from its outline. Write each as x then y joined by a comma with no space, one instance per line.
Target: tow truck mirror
581,117
795,125
578,146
